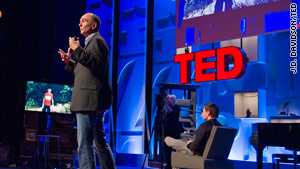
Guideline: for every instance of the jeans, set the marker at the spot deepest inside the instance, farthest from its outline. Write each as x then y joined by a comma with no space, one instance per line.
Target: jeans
90,130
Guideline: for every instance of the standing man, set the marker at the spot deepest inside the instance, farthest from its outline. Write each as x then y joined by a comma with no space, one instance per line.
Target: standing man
92,92
47,101
173,127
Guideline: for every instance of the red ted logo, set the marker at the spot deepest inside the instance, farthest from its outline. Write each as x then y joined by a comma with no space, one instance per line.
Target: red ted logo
221,64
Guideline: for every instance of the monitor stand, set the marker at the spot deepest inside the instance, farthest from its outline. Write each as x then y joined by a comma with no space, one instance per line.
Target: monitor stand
44,123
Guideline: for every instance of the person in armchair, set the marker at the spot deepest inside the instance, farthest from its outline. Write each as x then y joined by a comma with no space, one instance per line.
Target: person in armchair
196,146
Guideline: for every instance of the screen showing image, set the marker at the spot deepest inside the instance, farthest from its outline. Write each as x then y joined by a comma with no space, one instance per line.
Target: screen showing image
207,21
48,97
196,8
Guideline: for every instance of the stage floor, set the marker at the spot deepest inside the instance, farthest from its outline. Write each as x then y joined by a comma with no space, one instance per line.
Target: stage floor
237,165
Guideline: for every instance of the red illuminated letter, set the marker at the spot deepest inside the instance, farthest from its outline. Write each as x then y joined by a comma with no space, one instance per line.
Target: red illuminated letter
240,63
185,66
220,67
201,66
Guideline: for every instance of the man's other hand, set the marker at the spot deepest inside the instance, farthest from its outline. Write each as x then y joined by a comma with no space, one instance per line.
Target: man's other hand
65,57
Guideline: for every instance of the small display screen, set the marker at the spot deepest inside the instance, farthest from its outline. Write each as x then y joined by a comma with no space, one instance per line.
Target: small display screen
48,97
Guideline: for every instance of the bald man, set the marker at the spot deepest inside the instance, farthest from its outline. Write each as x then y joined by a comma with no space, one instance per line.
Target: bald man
92,92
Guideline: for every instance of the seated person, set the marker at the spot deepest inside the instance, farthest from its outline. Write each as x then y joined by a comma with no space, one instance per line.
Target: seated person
197,146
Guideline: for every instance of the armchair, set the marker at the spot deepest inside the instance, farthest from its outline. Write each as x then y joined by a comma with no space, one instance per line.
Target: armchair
215,154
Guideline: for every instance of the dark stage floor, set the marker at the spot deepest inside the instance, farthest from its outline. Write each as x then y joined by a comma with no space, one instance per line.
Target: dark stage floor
237,165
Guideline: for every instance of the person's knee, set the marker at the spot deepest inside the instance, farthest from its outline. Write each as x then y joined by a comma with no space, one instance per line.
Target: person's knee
101,143
169,140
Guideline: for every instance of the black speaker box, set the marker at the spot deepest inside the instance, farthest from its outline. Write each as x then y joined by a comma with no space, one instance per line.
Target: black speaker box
27,149
67,140
30,134
31,119
5,154
65,121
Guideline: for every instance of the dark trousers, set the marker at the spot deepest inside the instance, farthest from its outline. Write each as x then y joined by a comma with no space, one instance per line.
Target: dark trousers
46,108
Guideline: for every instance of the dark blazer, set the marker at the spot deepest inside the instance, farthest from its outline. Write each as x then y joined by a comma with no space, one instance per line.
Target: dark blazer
203,133
92,89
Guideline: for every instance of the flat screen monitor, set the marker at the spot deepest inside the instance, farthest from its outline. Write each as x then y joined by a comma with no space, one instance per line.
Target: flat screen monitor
207,21
48,97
